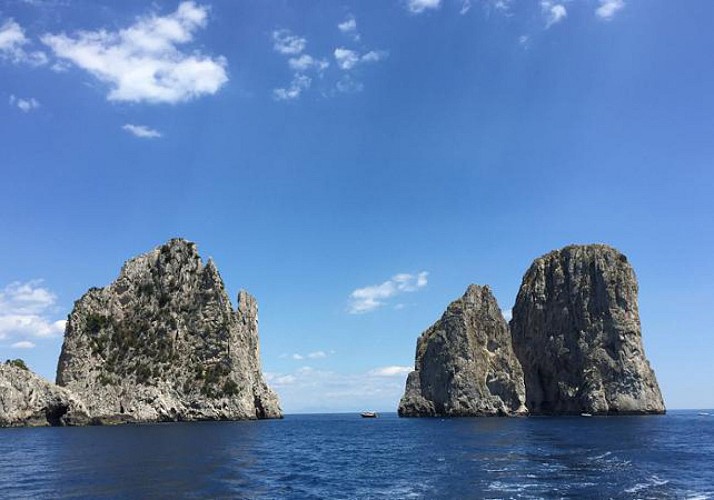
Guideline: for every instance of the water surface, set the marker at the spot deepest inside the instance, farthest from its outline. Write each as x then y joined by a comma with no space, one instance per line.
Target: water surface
345,456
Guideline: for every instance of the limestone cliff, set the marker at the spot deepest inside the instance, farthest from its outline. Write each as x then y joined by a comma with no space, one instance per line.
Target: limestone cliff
465,365
163,343
29,400
576,332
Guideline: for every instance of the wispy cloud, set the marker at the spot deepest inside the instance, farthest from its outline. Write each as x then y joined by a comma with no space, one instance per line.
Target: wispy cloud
141,131
289,44
143,63
608,8
349,85
419,6
502,5
26,309
285,42
24,104
311,355
298,85
553,12
391,371
369,298
347,59
349,28
305,62
14,43
308,69
23,344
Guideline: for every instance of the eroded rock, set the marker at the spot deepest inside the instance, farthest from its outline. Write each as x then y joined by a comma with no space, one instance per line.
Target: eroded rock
576,331
465,365
163,343
26,399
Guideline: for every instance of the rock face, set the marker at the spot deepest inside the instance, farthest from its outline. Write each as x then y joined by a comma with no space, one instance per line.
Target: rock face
465,365
28,400
163,343
576,332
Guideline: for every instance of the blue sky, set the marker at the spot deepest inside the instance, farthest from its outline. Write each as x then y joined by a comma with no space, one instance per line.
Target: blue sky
355,165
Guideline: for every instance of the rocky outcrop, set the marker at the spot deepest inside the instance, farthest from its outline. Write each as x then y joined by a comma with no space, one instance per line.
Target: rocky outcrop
163,343
576,332
26,399
465,365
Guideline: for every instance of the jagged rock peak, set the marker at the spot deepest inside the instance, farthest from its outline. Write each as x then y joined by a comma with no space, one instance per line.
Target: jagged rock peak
163,342
465,365
576,331
26,399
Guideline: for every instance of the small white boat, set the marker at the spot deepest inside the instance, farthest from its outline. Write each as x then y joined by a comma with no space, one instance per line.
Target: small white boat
369,414
586,414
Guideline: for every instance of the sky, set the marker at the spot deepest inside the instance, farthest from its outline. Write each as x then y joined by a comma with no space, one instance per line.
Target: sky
356,165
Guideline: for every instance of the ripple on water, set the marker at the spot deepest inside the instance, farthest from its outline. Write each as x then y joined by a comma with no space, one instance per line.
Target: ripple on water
338,457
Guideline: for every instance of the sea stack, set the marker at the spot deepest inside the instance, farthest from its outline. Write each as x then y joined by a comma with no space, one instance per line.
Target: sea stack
28,400
163,343
576,331
465,364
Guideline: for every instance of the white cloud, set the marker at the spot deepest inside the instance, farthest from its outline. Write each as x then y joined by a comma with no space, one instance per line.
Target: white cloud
299,84
285,42
348,59
374,56
277,380
13,43
465,7
311,355
24,104
391,371
23,344
305,62
553,12
349,85
141,131
502,5
369,298
25,310
523,40
608,8
143,63
310,389
349,28
419,6
26,298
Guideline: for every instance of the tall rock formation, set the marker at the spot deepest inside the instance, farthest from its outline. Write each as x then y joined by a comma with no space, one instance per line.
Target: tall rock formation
576,332
163,343
465,365
29,400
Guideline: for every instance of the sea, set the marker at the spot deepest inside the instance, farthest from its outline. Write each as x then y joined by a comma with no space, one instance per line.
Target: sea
343,456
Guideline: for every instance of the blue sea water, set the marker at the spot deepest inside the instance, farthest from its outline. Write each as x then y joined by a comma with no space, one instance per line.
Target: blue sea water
345,456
